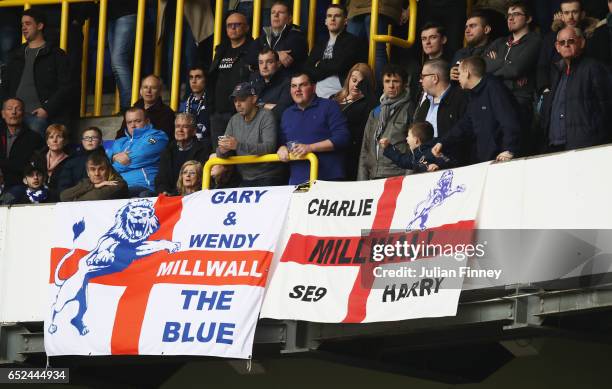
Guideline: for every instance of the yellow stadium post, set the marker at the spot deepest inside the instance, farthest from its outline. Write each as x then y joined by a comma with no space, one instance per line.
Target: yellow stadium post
373,29
250,159
100,58
176,56
335,1
64,26
218,24
256,19
375,38
117,106
296,12
158,43
388,48
140,17
26,6
312,17
84,65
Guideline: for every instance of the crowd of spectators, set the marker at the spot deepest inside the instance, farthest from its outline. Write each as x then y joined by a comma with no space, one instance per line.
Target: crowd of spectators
513,90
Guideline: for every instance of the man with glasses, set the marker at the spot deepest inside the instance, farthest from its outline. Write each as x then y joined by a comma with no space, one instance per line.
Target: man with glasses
514,59
577,111
571,14
313,125
229,68
444,103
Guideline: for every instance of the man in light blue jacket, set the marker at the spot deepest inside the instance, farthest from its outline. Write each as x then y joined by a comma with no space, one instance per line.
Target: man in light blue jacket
136,156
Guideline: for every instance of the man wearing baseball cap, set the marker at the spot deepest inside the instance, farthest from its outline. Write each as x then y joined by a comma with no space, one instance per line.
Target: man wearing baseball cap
251,131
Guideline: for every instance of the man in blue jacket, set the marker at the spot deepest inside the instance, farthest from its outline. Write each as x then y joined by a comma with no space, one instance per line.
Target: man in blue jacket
491,123
313,125
136,155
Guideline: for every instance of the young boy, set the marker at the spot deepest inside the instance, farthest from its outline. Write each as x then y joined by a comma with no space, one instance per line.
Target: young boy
34,192
420,159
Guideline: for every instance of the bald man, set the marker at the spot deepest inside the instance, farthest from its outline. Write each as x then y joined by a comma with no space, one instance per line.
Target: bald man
228,69
577,108
160,114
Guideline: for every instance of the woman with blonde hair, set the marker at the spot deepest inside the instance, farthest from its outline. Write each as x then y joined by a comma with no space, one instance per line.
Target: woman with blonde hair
190,178
356,99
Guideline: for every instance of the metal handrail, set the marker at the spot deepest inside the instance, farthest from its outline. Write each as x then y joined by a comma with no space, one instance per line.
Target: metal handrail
250,159
375,38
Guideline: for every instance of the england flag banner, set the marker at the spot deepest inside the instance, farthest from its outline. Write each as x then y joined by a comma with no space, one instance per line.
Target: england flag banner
381,250
165,276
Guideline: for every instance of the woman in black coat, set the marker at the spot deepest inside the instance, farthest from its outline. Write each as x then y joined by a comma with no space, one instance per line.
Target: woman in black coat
357,98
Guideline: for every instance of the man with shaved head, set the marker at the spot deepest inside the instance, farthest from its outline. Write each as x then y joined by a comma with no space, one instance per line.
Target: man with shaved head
160,114
577,109
229,68
491,121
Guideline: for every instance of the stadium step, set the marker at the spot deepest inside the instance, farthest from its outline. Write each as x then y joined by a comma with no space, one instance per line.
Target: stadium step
108,124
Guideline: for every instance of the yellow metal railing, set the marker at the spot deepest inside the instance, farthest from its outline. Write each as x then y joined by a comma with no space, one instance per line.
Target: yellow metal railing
375,38
249,159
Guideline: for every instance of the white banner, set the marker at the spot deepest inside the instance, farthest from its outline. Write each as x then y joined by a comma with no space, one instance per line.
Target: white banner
381,250
171,276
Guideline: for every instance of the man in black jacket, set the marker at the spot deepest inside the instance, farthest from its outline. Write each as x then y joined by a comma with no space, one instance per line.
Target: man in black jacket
39,75
443,104
331,59
283,37
491,123
229,68
17,142
273,92
185,147
477,37
571,14
577,111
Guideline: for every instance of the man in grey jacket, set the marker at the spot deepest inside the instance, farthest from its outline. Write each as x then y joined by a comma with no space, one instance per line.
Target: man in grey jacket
388,120
251,131
514,60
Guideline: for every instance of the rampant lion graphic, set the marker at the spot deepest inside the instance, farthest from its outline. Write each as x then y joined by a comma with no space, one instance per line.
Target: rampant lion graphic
434,199
124,243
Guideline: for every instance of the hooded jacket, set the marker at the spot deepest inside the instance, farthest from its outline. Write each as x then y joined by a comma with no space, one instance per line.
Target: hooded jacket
144,148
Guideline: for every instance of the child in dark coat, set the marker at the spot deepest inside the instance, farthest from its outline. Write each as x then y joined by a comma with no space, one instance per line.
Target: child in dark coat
419,158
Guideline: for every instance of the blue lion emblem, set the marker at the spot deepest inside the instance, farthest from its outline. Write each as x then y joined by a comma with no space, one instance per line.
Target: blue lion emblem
434,199
124,243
